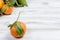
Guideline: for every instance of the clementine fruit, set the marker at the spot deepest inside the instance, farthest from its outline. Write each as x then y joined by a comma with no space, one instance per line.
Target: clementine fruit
6,9
18,29
1,3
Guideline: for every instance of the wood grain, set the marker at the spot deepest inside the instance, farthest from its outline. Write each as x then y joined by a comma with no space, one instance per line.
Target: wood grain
42,18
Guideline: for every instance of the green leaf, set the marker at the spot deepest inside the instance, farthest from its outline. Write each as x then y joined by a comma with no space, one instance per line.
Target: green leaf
4,8
10,26
20,27
17,30
22,2
18,4
12,2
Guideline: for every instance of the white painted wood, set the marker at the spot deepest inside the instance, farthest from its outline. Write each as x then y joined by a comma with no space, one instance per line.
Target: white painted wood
36,35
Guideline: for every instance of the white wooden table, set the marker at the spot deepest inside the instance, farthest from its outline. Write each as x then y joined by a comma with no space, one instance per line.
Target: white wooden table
42,18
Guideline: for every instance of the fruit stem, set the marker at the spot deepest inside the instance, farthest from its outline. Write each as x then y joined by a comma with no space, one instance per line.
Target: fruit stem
18,16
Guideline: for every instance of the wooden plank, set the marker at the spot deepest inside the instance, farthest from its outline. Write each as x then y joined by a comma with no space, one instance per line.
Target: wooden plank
42,18
36,35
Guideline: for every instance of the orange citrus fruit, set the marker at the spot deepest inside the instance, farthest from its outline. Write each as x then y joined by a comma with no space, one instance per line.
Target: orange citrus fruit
14,32
8,10
1,3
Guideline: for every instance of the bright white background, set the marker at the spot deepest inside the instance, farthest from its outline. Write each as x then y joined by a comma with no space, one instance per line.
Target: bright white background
42,18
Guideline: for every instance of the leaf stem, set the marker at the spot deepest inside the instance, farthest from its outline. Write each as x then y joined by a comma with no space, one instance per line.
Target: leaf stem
18,16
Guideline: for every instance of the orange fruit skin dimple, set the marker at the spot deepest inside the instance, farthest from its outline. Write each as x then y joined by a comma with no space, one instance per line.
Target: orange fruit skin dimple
14,33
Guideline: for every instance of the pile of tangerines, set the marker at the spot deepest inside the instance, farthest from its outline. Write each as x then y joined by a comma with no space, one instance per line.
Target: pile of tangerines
6,6
18,28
